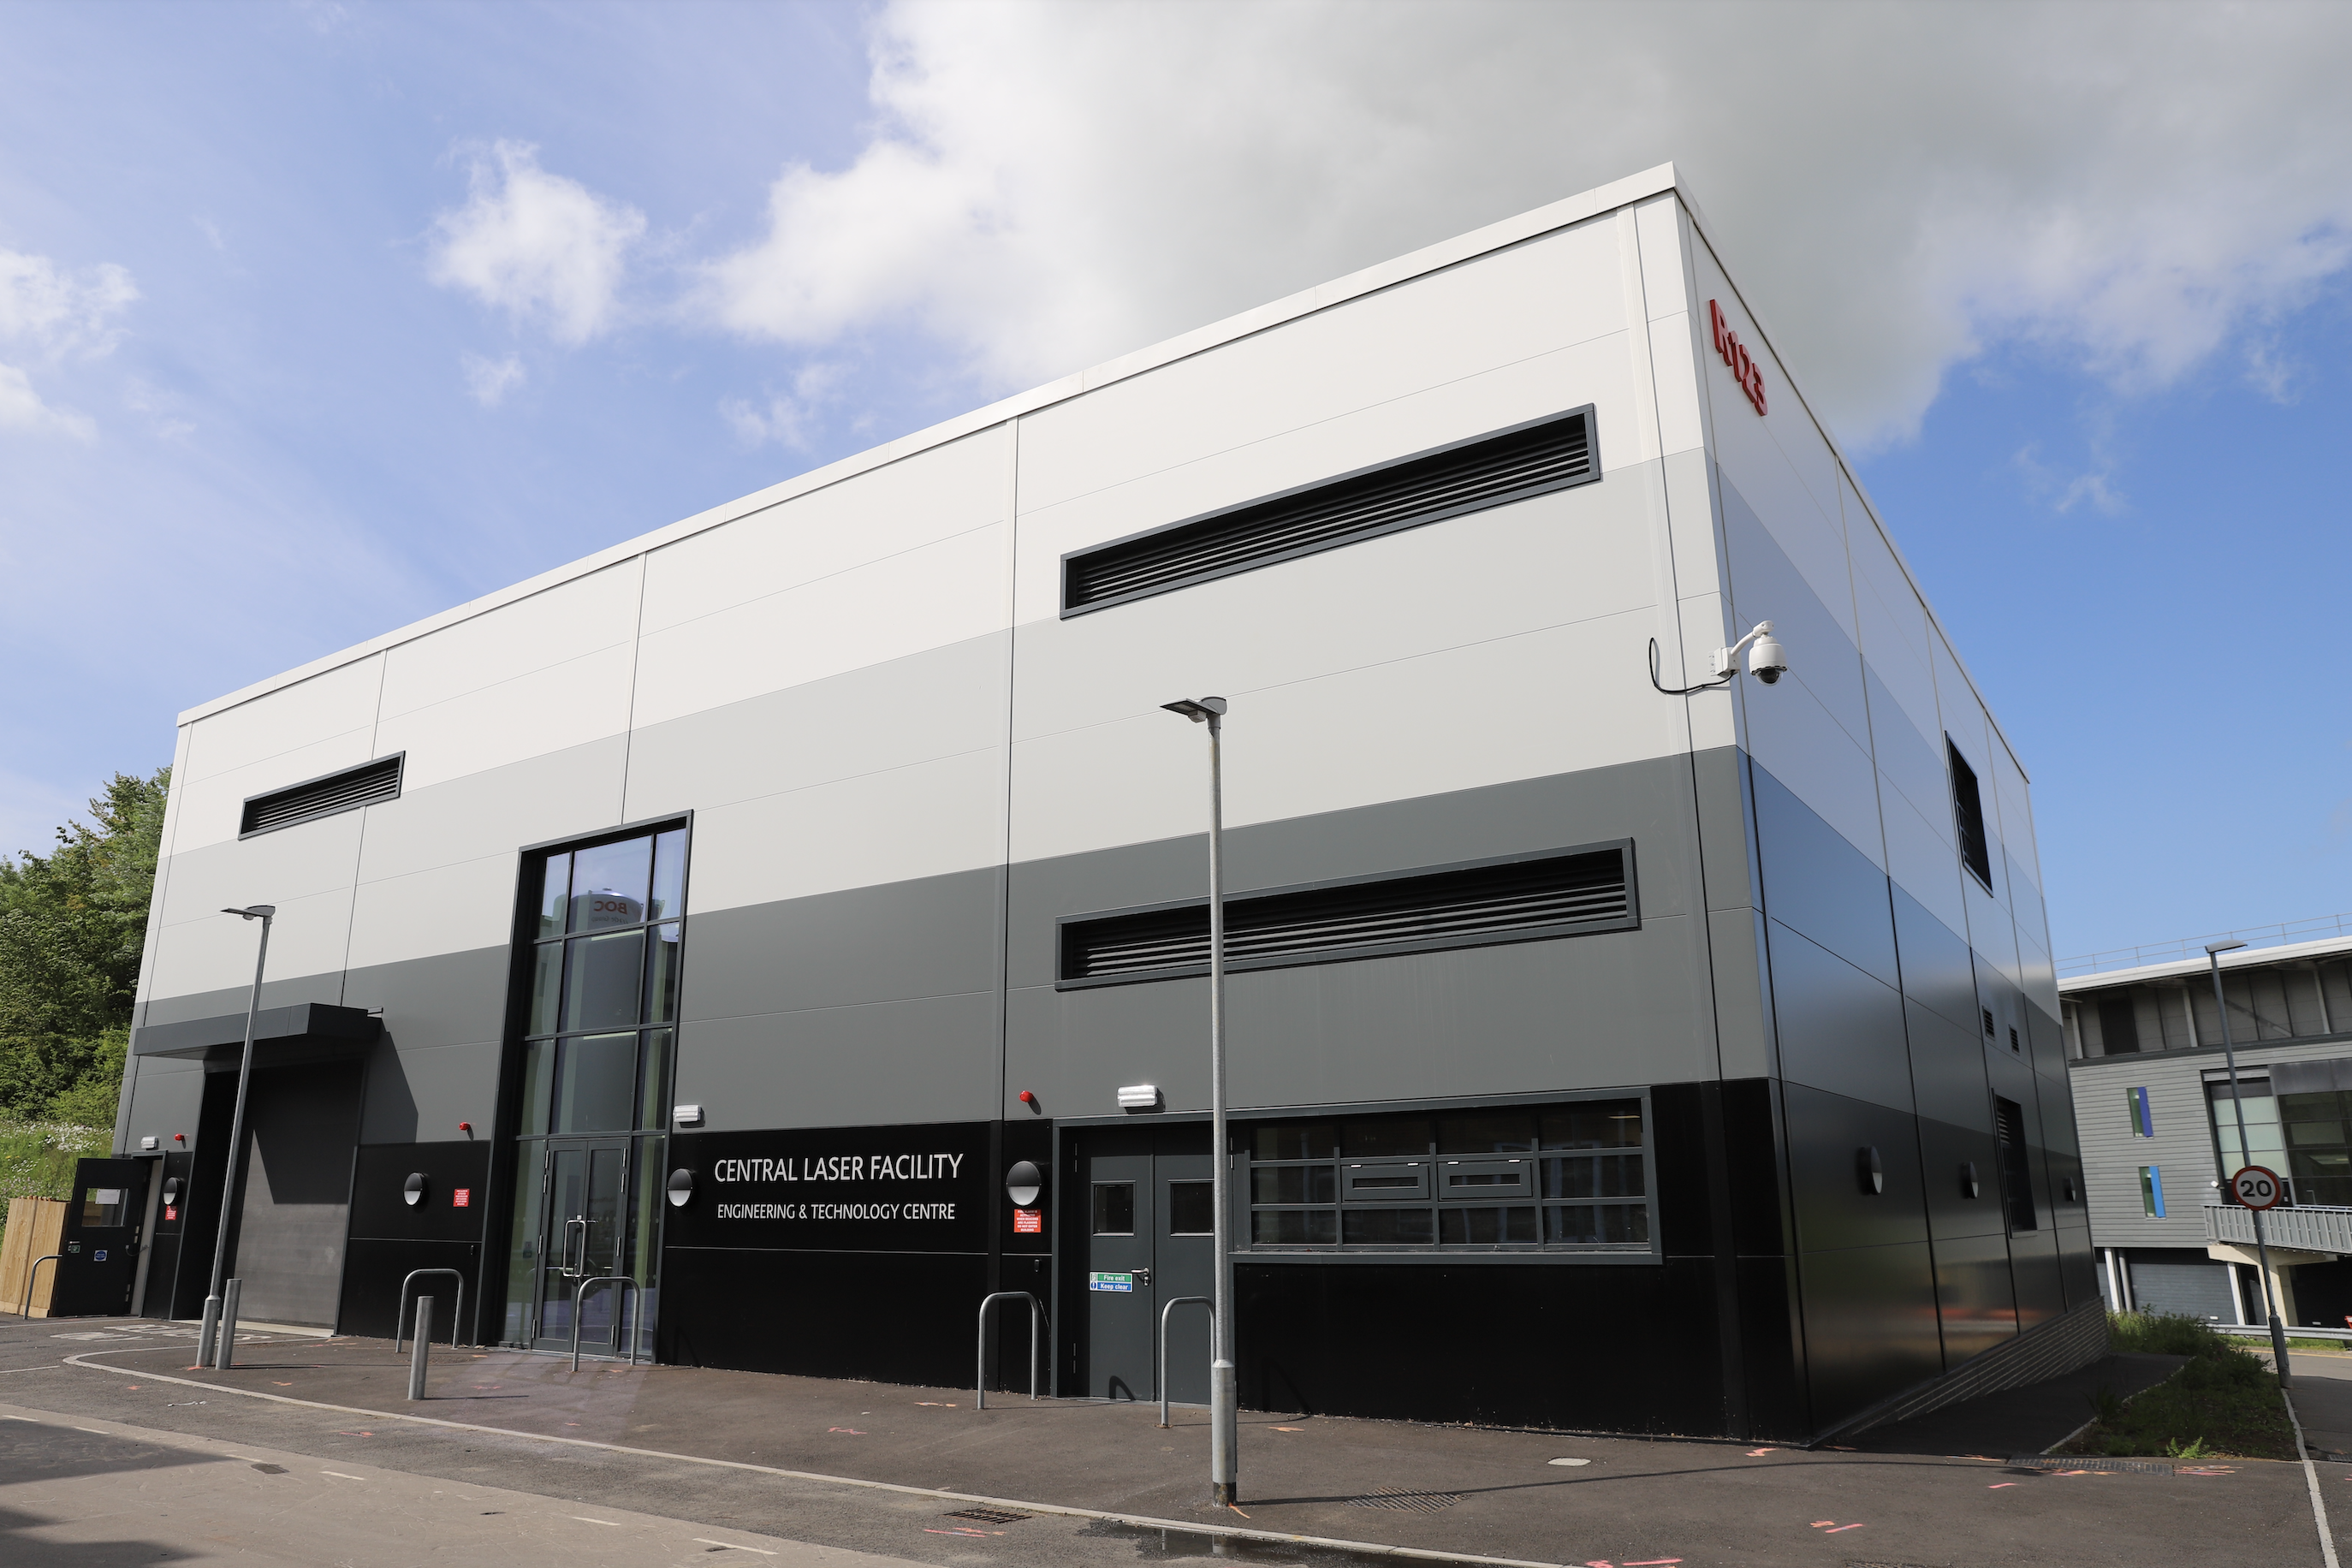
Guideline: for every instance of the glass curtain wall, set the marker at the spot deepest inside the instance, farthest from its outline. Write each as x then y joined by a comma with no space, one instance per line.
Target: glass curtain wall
607,935
2263,1133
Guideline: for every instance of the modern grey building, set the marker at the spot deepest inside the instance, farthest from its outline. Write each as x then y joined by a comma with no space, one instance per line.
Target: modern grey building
2160,1133
1613,1046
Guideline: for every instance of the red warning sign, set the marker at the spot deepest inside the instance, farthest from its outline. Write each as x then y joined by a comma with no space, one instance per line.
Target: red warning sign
1028,1222
461,1197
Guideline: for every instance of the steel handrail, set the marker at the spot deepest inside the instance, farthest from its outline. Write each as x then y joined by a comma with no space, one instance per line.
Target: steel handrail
1162,1357
620,1315
25,1312
456,1323
1036,1320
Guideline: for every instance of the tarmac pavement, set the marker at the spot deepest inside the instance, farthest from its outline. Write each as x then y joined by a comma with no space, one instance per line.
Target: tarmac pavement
878,1470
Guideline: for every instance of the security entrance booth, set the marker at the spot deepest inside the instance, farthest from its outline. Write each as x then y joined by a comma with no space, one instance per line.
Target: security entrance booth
606,936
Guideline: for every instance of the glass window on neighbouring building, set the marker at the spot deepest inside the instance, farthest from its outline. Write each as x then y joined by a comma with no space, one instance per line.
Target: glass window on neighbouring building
2266,1145
2151,1192
2316,1132
2143,1120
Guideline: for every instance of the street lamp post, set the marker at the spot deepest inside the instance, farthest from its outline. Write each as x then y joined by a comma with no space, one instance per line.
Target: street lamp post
2213,952
1224,1396
207,1353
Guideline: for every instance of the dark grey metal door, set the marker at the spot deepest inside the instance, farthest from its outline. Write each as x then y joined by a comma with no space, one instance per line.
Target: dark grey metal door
1146,1191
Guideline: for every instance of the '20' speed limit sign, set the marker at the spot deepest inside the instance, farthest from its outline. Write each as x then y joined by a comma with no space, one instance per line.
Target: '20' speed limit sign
2257,1188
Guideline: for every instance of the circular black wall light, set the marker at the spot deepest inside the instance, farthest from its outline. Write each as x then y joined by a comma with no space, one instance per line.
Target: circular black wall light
1969,1187
1868,1171
1024,1182
2073,1193
412,1191
681,1188
171,1189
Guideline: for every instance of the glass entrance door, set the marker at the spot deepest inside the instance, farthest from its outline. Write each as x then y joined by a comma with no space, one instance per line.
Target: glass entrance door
584,1236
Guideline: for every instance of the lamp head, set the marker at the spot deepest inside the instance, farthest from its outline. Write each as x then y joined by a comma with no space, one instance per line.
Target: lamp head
1197,711
254,913
2222,947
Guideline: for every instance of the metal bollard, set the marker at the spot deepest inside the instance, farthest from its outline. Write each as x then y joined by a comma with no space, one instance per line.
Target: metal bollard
227,1357
424,1339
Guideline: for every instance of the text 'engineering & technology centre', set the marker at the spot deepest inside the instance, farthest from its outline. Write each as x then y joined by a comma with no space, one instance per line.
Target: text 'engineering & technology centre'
1613,1046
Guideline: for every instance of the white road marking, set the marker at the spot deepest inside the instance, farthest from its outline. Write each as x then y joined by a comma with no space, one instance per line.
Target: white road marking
341,1477
701,1541
584,1519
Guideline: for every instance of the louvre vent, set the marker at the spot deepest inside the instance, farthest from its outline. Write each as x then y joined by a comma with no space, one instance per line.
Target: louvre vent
346,791
1521,899
1547,455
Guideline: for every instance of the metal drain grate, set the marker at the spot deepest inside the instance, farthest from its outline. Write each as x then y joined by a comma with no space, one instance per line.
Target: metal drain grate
1414,1502
987,1515
2075,1462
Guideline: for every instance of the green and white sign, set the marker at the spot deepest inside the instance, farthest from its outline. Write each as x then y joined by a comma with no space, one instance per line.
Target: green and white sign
1110,1282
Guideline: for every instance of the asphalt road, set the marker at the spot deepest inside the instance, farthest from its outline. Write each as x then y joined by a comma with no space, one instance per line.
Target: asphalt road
675,1457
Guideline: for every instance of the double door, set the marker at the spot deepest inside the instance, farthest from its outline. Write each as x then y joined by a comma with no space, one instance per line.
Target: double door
588,1228
1148,1215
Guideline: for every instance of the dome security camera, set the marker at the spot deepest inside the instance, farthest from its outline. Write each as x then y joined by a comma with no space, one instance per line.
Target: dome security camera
1767,659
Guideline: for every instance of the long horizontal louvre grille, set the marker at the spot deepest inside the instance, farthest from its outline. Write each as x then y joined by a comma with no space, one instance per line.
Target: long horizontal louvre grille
1547,457
347,791
1513,900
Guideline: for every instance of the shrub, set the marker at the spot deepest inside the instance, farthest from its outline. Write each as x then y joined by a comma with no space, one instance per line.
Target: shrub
2224,1400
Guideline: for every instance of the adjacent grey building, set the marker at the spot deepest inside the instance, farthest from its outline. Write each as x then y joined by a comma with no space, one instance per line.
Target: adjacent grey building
734,909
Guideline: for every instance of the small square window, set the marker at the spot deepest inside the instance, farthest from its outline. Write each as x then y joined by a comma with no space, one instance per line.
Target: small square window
1114,1208
1191,1208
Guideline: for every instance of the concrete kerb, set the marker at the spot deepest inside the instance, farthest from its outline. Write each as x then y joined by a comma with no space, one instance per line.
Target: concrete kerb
1373,1548
2310,1479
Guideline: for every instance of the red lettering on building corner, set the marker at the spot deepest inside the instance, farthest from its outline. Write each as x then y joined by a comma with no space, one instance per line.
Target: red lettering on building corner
1744,368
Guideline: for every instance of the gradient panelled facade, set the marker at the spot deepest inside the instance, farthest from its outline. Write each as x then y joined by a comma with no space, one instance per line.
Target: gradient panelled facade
900,766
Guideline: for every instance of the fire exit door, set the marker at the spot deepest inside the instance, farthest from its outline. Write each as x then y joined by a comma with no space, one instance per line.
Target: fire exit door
105,1227
1148,1214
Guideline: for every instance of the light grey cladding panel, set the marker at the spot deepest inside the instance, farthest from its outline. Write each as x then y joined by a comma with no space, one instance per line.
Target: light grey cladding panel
930,937
1766,585
1648,802
327,988
2113,1152
940,702
1840,1029
455,998
1816,882
421,1095
1597,1011
932,1059
165,1097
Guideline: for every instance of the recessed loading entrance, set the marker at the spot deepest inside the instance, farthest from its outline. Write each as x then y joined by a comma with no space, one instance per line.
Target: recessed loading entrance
1147,1216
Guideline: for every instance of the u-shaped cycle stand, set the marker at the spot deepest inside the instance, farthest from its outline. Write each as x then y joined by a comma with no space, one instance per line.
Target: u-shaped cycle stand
620,1314
1036,1321
1162,1357
400,1315
25,1312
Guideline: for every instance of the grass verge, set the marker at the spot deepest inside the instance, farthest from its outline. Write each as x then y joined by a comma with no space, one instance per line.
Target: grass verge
2225,1401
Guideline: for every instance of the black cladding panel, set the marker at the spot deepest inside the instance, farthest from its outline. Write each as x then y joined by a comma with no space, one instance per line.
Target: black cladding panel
922,1188
457,1195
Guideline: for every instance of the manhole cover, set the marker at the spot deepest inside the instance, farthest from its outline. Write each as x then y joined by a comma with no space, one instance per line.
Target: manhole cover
2075,1462
987,1515
1416,1502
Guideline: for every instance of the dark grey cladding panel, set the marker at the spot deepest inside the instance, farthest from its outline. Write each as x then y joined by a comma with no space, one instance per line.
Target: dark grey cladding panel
932,1059
1743,1017
932,936
448,999
1901,753
1766,585
2046,1040
1974,1295
1839,1028
1870,1326
1937,973
1947,1069
1648,802
327,988
2006,1003
423,1094
2041,1284
1820,884
164,1098
1944,1149
1826,1134
1583,1012
1726,847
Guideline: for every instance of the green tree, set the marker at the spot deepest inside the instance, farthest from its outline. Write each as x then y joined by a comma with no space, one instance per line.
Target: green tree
73,925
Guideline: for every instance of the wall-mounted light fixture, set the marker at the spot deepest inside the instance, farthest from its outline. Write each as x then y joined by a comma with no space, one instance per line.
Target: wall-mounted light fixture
1868,1171
681,1188
1024,1182
1139,1097
412,1191
1766,661
1969,1187
147,1142
687,1115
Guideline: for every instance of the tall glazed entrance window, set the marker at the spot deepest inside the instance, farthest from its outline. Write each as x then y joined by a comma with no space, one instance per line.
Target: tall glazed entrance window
606,930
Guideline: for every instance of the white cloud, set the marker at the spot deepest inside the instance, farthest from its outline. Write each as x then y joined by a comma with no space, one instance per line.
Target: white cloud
537,245
21,408
787,418
489,380
1899,186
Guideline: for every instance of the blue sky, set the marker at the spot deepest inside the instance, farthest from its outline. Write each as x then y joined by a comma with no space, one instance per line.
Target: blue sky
317,319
